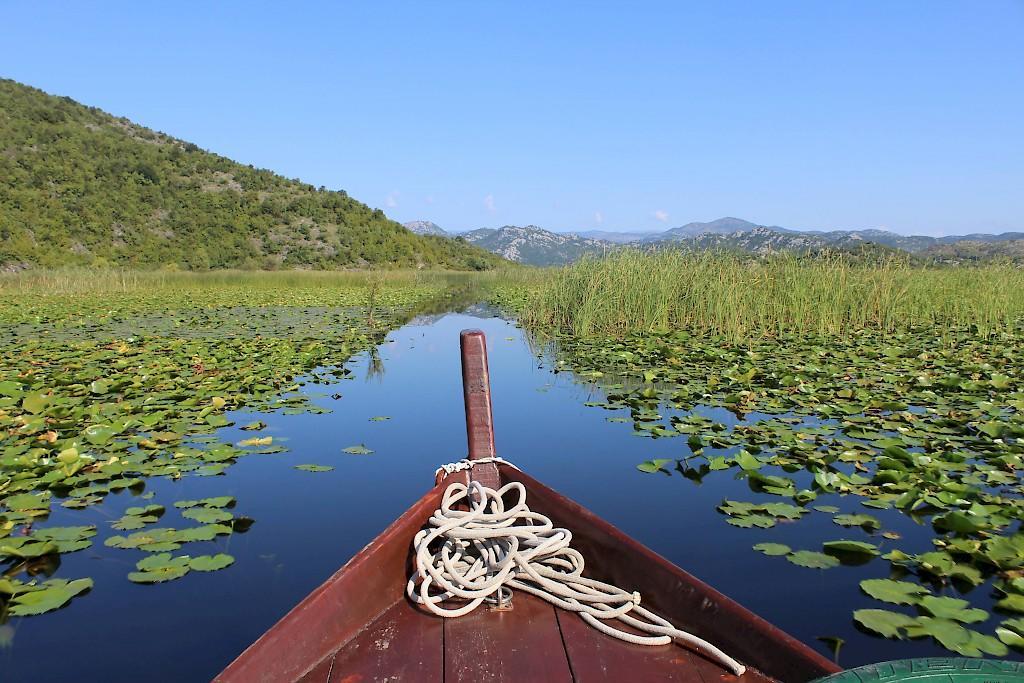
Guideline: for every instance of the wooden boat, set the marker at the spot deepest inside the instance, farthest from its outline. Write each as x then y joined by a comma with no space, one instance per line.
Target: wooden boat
360,626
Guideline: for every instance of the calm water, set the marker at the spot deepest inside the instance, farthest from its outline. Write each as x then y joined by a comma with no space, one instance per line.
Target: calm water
309,524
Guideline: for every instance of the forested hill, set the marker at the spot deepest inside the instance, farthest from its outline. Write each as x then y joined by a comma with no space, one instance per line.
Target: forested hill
81,187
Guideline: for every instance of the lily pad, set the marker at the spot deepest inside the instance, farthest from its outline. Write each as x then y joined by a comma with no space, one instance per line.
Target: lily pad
53,594
955,609
861,520
851,547
207,515
883,622
657,465
314,468
773,549
211,563
812,559
896,592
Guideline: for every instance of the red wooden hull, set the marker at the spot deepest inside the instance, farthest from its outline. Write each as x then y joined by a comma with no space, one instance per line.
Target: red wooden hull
359,626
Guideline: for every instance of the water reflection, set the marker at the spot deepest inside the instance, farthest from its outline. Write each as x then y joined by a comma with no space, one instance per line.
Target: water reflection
309,524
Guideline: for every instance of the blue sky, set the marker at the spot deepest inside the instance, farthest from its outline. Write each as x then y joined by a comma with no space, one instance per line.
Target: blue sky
575,115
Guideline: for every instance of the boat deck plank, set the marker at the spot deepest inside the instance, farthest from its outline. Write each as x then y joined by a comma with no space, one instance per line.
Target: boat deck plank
532,642
521,644
403,644
598,658
320,673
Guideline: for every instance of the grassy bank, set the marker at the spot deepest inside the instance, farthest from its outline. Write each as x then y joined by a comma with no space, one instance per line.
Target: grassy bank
739,298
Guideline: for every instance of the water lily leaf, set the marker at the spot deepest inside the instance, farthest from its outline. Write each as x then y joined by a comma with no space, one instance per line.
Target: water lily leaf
216,502
25,547
357,450
28,501
161,575
211,563
865,521
651,466
1013,602
161,561
960,522
896,592
1011,632
68,539
992,429
11,388
36,403
100,435
53,595
754,520
981,644
950,634
148,510
207,515
133,522
853,547
159,546
314,468
955,609
773,549
380,418
883,622
812,559
254,426
747,461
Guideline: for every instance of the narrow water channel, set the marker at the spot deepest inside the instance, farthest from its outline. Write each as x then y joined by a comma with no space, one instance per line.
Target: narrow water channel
309,524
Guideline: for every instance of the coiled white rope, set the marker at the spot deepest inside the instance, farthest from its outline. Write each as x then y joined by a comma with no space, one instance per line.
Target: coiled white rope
478,554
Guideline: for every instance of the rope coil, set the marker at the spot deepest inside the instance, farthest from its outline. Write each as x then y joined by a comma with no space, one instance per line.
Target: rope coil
477,555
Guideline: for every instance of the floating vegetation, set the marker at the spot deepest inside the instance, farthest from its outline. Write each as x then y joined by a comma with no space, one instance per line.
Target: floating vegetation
108,382
314,468
926,421
361,449
29,599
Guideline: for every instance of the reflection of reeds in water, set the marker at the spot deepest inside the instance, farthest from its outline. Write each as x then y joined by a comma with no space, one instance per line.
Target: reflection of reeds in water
371,304
375,366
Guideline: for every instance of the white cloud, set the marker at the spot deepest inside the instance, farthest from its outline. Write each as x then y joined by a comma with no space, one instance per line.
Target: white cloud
661,215
392,200
489,203
598,217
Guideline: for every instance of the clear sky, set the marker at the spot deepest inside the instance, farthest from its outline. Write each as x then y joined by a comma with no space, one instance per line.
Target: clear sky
907,115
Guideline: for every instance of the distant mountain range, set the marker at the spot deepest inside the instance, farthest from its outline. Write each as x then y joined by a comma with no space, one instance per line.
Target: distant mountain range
535,246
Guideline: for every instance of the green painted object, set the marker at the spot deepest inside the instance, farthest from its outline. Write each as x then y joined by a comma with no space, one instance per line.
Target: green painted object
929,669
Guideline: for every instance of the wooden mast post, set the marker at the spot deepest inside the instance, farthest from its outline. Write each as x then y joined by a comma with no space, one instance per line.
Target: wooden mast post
476,388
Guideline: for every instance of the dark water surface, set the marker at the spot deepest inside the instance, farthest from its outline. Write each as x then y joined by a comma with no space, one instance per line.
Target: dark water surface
309,524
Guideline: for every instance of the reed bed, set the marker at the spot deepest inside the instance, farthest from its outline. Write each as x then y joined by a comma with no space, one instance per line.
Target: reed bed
741,297
72,281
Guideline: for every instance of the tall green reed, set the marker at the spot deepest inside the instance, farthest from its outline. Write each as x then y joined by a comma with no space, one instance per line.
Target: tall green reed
739,297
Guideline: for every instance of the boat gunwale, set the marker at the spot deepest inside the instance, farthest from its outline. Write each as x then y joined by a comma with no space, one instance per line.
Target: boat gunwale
370,582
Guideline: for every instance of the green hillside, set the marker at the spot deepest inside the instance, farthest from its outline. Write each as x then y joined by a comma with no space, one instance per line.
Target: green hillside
81,187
